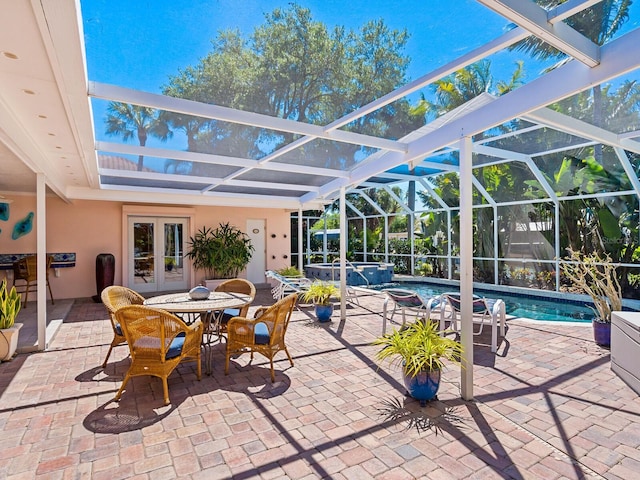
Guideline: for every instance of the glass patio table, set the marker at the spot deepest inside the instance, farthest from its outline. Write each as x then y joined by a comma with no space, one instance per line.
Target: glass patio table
209,310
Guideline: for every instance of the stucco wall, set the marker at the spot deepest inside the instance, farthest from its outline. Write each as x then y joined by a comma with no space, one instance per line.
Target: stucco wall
92,227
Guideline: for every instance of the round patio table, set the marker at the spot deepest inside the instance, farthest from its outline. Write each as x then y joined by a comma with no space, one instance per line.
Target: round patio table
209,311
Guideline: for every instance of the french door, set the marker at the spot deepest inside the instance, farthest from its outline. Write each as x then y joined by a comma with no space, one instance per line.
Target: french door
155,254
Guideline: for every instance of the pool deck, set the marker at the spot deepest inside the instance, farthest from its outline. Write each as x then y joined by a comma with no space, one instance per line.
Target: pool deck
547,406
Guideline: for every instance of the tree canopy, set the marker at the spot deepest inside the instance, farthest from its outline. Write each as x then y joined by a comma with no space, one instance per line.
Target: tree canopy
297,68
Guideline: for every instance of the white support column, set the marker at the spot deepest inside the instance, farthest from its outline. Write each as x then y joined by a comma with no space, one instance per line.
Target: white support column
449,247
300,247
556,213
343,254
41,251
466,266
496,240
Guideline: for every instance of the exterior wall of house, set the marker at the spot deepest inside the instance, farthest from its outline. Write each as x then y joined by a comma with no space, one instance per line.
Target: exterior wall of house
88,228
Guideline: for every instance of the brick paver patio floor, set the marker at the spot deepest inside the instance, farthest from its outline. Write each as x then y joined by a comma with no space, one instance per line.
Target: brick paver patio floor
546,406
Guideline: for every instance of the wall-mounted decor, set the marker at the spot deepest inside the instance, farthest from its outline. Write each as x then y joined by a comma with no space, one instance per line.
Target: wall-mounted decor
4,211
23,227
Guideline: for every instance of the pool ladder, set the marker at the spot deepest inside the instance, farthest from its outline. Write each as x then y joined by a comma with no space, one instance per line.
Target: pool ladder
355,269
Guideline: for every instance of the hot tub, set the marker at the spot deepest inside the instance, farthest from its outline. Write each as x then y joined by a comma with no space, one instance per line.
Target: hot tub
358,273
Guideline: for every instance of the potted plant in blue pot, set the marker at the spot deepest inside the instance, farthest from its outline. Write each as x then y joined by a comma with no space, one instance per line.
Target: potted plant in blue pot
596,276
420,351
320,294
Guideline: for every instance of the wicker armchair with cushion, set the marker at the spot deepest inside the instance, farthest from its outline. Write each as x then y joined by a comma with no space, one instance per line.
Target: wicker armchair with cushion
115,297
158,342
263,334
235,285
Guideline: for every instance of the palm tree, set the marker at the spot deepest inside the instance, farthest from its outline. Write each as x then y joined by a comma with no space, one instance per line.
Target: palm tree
130,121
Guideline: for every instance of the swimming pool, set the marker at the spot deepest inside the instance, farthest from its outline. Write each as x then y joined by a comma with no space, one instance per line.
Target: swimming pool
525,306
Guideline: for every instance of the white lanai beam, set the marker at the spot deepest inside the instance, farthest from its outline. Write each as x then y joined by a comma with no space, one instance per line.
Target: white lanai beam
618,57
573,126
434,195
216,159
534,19
628,169
216,112
568,9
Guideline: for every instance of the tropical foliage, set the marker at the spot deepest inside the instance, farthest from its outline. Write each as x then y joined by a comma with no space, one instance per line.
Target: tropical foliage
133,121
222,252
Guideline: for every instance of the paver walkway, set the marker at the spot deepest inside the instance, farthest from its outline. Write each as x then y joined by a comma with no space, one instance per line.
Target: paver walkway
546,406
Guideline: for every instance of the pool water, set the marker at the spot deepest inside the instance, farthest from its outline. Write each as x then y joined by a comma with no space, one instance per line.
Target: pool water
534,308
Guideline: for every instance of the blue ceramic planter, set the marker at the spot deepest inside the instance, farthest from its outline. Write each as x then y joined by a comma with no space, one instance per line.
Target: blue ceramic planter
424,386
324,312
602,333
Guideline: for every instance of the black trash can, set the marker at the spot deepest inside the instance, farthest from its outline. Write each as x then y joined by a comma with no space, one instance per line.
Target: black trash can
105,273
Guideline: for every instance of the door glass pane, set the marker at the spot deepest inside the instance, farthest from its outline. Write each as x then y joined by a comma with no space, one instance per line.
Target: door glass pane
143,244
173,262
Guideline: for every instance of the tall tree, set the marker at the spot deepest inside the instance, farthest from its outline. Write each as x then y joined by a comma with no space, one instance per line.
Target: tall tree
134,121
297,68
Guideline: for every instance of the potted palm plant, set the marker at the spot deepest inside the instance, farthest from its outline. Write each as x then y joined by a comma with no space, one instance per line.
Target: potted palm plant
420,350
222,252
596,276
9,330
320,293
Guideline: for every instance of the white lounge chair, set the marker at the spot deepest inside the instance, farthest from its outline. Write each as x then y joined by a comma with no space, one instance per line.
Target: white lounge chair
485,310
407,301
286,285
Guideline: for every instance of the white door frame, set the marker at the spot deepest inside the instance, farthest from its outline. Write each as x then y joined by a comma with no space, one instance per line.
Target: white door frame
187,213
160,276
256,231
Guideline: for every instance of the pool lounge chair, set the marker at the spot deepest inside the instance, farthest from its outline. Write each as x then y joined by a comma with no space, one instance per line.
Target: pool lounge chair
485,310
407,301
286,285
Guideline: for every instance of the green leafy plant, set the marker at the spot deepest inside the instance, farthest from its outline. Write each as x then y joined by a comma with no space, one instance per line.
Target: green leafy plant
291,271
596,276
169,263
9,305
221,252
418,347
320,293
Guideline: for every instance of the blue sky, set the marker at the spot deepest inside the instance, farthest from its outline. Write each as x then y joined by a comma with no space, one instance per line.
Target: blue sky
162,36
139,44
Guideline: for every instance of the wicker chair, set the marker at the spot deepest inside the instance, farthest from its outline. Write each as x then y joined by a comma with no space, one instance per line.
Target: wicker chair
235,285
263,334
115,297
25,270
158,342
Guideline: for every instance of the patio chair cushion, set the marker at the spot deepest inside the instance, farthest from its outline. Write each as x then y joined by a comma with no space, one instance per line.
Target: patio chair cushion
410,302
228,314
261,334
175,349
